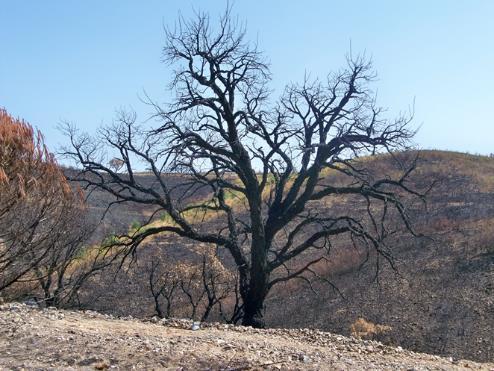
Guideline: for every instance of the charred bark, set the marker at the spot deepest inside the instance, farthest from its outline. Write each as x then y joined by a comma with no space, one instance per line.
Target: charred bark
223,134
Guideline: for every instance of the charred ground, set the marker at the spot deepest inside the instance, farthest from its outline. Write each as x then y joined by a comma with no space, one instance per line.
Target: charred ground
438,299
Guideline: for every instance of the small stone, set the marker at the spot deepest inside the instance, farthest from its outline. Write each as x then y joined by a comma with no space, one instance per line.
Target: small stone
101,366
196,326
88,361
304,358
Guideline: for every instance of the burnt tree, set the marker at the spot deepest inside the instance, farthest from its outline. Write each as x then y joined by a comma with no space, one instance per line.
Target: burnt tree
44,223
263,161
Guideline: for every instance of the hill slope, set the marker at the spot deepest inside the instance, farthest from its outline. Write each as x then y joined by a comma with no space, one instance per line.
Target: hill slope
53,339
440,301
441,298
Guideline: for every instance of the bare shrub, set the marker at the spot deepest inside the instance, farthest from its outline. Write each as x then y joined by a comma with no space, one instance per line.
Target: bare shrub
192,288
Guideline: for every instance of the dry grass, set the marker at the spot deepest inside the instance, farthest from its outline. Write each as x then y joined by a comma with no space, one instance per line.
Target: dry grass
363,329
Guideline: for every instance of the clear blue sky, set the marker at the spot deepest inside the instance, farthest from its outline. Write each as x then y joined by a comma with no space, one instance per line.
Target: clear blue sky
82,60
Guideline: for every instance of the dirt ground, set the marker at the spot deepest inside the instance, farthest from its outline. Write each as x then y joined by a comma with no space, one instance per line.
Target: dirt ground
32,338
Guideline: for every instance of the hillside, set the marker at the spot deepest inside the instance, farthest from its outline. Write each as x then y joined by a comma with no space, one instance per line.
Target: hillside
438,301
54,339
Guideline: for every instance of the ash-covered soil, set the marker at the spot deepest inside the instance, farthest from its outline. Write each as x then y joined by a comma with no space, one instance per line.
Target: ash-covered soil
32,338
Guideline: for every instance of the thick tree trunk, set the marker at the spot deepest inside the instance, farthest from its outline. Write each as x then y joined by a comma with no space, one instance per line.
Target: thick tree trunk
253,309
254,296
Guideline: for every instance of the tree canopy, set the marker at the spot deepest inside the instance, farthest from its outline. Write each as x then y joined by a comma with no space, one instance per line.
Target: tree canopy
227,136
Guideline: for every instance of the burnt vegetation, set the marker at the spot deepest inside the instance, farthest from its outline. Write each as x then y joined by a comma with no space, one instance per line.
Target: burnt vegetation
43,222
310,210
224,134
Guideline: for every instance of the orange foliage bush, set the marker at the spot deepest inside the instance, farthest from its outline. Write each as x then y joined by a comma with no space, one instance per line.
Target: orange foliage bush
25,162
363,329
39,213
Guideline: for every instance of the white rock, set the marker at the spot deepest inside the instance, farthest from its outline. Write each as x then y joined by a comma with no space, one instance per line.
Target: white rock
196,326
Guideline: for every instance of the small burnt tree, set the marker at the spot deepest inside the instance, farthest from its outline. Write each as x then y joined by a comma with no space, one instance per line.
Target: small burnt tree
33,190
44,223
199,285
263,161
